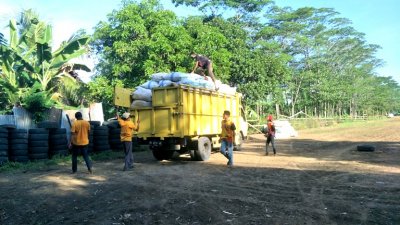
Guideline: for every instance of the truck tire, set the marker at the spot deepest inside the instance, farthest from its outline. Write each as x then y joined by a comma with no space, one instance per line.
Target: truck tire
158,154
365,148
203,151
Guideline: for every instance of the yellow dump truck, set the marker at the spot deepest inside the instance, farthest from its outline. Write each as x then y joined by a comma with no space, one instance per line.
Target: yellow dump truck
184,119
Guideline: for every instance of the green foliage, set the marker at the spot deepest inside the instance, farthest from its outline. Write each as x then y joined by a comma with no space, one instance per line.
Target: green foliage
37,102
28,59
305,59
101,89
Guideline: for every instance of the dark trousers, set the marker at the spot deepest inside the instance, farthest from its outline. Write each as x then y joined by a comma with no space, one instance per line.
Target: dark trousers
270,139
128,154
76,149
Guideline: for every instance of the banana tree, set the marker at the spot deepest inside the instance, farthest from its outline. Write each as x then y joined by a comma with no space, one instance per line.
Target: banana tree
29,59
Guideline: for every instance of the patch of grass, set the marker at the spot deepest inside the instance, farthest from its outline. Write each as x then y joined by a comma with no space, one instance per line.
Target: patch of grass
108,155
34,165
56,161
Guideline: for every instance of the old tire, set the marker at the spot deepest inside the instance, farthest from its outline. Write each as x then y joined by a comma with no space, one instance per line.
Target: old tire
100,133
38,150
113,124
38,156
4,134
19,152
365,148
3,159
102,148
48,125
22,159
38,137
18,141
9,126
19,135
58,131
39,144
38,131
59,141
95,123
4,147
3,141
203,151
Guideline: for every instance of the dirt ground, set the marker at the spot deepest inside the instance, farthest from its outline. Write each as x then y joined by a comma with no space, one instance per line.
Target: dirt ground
317,178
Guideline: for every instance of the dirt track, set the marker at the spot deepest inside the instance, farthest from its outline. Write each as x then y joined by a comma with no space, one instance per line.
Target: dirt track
317,178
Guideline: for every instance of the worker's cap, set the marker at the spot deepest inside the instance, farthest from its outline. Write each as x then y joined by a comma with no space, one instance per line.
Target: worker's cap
126,115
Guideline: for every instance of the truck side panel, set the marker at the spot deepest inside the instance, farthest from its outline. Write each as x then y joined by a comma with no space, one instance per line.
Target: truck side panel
183,112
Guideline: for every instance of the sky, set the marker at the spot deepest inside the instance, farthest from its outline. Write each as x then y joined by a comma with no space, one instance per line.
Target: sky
378,19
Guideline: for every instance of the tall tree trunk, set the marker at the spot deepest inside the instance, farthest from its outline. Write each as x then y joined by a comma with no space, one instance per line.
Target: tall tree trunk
278,112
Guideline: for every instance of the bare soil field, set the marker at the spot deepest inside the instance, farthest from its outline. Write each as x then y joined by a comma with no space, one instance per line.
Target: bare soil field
317,178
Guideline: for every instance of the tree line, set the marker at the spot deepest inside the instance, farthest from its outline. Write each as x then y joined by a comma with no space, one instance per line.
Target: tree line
286,60
282,59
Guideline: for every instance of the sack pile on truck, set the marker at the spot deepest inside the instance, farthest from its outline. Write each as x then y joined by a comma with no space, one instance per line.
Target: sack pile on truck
142,95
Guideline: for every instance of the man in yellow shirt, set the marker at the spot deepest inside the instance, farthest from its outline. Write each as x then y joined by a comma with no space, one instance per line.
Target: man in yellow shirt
227,137
127,128
80,140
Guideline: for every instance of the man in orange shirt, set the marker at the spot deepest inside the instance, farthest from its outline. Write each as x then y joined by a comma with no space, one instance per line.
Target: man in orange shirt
227,137
127,128
80,140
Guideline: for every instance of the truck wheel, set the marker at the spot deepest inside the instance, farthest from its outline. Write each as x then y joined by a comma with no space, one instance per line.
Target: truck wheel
203,149
158,154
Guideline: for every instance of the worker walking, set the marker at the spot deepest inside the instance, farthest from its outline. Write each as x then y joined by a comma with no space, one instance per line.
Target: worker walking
79,142
270,134
127,128
203,63
227,137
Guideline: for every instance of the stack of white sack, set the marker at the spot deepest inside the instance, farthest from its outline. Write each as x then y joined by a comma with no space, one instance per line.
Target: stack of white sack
224,88
142,95
175,78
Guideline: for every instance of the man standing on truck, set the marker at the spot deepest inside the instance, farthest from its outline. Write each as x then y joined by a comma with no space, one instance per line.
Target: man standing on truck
79,142
270,134
127,128
227,137
203,63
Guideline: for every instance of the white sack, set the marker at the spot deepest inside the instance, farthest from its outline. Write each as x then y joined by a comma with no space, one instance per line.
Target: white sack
142,94
150,84
159,76
140,103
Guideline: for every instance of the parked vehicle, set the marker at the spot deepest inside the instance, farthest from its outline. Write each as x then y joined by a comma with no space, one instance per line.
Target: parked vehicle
185,119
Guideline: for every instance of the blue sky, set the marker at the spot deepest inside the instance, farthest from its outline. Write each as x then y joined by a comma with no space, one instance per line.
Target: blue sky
378,19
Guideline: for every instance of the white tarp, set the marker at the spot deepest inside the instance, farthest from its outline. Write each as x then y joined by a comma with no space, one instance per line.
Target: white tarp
284,129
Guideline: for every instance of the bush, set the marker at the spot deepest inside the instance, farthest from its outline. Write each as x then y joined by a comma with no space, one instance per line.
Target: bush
37,103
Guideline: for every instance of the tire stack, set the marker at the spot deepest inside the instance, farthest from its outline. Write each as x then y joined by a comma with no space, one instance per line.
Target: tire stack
3,145
115,135
93,125
18,145
58,142
100,139
38,144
